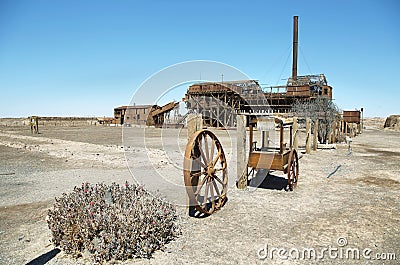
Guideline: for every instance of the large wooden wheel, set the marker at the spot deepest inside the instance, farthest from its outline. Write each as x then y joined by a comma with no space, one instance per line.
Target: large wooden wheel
293,170
205,172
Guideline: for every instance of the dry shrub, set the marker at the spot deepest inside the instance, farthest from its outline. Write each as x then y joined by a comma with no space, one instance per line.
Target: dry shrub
112,222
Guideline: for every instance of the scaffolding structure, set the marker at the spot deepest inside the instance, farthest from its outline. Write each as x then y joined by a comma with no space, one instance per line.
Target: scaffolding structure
220,102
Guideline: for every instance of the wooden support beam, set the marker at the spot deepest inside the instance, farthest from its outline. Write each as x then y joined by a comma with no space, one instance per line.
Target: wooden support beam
194,123
315,135
241,152
218,115
281,138
251,138
295,136
264,139
308,136
332,133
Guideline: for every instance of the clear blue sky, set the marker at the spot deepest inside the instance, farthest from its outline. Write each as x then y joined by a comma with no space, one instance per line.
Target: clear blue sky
83,58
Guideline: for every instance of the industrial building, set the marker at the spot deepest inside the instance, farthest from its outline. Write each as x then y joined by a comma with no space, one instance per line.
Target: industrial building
149,115
219,102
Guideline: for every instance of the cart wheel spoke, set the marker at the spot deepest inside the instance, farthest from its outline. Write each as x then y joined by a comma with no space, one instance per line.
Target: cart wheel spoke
205,198
218,179
200,186
216,158
197,174
206,149
212,197
199,162
202,153
216,189
212,148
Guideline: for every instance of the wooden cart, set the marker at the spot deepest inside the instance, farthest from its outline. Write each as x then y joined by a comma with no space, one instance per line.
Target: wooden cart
205,167
283,158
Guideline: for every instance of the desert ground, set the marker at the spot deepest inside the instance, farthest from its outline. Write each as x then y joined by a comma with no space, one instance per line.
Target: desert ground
344,200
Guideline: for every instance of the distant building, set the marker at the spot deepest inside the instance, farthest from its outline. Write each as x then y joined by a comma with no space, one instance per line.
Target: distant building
134,115
150,115
119,114
106,121
139,115
352,116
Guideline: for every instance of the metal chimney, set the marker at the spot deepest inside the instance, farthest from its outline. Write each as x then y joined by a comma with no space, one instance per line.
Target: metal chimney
295,47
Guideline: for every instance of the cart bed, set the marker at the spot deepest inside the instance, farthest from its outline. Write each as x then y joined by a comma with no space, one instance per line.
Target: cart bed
268,160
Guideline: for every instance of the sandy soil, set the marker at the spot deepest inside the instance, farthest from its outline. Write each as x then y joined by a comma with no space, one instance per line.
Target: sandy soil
339,195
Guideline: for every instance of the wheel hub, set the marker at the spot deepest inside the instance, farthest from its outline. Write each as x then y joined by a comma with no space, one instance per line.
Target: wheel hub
210,170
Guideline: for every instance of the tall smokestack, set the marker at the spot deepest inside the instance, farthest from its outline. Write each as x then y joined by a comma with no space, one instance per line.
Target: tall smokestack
295,47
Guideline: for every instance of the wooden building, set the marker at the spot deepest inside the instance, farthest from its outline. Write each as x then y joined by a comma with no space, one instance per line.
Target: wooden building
134,115
351,122
149,115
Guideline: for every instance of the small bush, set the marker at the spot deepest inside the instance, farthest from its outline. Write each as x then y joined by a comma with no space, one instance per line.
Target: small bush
112,222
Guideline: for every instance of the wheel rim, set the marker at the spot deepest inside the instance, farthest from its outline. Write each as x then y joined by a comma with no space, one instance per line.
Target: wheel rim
205,172
293,172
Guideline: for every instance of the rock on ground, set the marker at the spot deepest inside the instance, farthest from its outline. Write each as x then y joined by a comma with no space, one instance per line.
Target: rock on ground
393,121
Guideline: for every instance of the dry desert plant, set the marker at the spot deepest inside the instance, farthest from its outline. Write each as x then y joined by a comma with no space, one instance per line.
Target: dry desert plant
112,222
